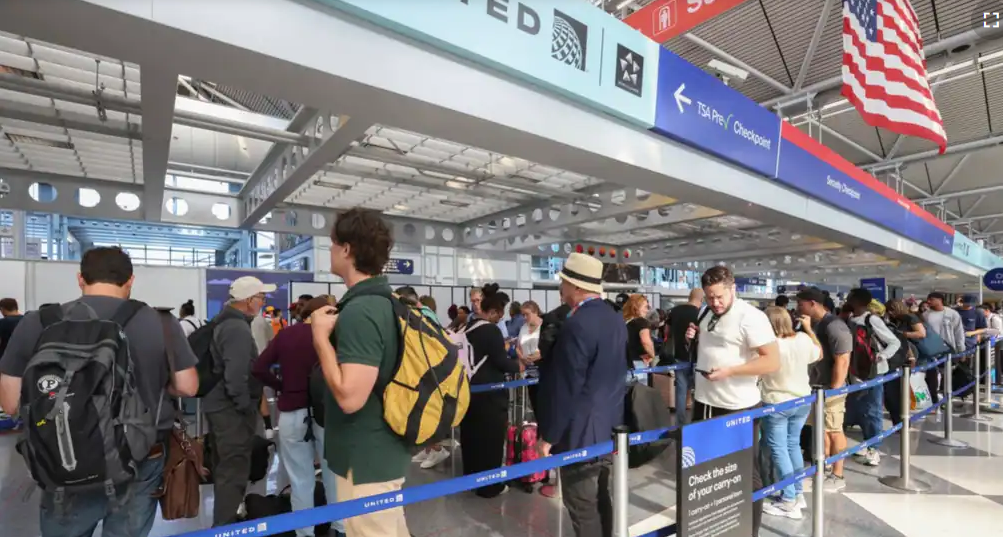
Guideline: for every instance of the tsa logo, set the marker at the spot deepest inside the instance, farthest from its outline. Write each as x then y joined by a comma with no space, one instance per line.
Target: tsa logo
48,383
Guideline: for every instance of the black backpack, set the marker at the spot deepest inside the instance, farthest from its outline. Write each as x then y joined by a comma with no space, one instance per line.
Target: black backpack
86,426
201,343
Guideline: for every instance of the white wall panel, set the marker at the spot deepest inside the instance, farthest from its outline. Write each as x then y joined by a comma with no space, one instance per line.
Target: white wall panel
553,299
55,283
169,287
308,288
540,297
13,284
422,290
443,300
481,269
460,297
521,296
338,290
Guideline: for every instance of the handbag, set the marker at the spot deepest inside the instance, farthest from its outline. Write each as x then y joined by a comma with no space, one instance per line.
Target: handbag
931,347
183,470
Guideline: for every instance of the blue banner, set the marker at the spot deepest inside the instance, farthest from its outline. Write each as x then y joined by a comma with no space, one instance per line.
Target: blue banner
570,47
712,439
877,288
697,109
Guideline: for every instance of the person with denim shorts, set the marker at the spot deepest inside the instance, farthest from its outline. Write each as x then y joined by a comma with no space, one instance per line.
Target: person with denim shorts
782,430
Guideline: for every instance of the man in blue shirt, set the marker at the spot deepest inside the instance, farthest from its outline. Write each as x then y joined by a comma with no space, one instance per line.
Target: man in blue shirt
582,390
972,320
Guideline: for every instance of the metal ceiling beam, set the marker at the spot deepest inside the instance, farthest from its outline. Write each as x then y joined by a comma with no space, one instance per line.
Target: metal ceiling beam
963,194
69,120
547,216
389,156
297,165
971,219
815,38
785,249
430,183
738,63
974,206
317,221
934,154
160,89
74,94
943,45
303,118
952,174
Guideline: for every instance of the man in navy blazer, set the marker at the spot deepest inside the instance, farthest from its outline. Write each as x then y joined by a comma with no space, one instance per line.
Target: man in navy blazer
582,390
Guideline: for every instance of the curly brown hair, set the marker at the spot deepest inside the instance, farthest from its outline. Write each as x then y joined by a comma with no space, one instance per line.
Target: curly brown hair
369,239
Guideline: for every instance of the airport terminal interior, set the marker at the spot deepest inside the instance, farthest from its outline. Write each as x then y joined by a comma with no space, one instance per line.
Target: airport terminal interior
830,144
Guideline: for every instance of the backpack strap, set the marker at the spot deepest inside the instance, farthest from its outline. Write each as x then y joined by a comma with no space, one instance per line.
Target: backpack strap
127,311
50,315
166,319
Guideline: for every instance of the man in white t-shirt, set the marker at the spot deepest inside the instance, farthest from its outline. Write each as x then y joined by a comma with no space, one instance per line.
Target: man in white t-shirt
736,346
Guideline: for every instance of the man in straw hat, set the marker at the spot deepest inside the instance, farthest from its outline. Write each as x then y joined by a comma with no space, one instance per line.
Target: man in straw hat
582,393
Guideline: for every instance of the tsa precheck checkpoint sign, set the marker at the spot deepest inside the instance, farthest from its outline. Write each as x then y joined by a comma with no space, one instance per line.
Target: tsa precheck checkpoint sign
697,109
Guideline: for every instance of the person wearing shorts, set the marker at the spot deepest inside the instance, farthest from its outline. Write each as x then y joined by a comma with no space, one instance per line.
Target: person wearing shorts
830,372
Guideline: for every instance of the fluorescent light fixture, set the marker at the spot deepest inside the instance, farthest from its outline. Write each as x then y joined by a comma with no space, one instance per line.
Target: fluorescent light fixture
400,207
329,184
624,4
454,203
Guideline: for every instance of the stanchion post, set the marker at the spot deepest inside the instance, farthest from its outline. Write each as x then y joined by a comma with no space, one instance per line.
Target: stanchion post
948,440
976,414
818,455
621,499
904,481
198,418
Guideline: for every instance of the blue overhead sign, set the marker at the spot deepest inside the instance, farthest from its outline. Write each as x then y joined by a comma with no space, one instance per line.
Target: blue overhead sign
569,47
994,279
877,288
399,266
697,109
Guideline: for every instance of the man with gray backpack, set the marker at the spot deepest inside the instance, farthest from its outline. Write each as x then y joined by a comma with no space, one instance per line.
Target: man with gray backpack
91,380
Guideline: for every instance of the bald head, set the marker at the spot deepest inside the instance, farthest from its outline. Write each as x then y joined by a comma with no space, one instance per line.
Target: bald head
696,296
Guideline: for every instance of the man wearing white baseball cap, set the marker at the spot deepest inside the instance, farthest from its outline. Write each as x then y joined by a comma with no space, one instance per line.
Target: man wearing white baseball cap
232,406
582,393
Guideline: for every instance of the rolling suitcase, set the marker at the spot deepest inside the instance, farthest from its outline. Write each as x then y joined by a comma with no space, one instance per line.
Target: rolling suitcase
520,440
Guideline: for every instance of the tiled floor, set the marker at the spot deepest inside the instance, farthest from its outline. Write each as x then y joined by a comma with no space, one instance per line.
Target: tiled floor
967,491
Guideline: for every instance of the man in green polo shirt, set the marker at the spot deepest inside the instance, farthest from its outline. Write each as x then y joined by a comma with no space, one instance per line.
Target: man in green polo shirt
365,455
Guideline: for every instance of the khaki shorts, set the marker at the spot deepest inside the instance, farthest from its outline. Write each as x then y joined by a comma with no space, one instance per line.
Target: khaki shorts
386,523
835,411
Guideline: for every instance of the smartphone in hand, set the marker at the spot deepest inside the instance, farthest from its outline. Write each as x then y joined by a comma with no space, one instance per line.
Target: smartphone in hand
703,372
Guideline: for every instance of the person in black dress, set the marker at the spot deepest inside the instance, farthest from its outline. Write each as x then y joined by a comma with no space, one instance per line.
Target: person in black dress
482,433
640,345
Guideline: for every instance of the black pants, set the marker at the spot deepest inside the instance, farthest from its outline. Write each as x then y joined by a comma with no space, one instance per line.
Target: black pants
482,438
933,384
232,433
585,489
893,400
703,412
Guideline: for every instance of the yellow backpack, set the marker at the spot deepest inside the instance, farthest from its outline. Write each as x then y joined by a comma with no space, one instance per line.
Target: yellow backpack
428,393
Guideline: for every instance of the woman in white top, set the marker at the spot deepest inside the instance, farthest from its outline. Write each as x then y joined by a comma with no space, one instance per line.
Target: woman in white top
528,348
782,430
189,323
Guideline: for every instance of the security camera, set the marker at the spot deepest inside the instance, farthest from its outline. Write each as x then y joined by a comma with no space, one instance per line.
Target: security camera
727,73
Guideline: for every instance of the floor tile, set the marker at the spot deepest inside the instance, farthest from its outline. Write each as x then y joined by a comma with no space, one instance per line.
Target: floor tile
933,516
976,474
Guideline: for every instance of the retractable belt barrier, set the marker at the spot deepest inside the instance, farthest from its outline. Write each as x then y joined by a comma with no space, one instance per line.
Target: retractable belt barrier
406,496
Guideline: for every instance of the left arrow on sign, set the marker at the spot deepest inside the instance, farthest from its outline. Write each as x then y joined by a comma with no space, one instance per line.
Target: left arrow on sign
680,98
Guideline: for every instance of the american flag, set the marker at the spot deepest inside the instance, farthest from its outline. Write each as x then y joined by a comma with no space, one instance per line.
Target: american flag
884,71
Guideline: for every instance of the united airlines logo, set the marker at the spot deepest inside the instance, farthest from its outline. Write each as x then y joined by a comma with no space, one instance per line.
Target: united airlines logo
258,527
569,43
634,438
738,421
689,457
576,455
492,477
392,500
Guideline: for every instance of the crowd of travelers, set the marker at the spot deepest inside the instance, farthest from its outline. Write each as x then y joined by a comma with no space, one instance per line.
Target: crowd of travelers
76,371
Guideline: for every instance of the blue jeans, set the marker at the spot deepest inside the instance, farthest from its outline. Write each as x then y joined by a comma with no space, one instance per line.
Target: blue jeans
80,513
866,408
684,384
297,456
782,433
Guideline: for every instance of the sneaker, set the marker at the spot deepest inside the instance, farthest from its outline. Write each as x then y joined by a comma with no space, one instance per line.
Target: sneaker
787,509
873,458
801,502
834,483
435,458
421,456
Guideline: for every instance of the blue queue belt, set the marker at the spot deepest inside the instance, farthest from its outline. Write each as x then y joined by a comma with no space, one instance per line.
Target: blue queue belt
343,510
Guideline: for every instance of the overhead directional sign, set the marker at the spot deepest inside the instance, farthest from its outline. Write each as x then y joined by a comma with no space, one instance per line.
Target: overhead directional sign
662,20
399,266
994,279
696,108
